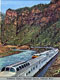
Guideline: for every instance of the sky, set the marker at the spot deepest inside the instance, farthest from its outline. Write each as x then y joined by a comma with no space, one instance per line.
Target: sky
15,4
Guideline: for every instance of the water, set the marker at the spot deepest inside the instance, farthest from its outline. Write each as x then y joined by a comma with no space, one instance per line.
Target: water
23,56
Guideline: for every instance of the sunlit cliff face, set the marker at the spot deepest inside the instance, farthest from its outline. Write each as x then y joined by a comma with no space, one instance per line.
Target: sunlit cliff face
35,16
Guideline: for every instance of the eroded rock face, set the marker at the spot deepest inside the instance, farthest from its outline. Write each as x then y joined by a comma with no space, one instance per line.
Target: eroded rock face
11,16
35,16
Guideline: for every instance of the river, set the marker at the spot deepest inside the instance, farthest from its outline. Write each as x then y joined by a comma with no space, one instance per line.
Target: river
12,59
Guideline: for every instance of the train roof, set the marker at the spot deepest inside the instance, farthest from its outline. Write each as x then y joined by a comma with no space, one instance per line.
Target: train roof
31,63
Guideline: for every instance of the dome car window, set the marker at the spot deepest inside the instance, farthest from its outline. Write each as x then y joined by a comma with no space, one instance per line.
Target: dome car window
17,69
7,69
3,69
12,70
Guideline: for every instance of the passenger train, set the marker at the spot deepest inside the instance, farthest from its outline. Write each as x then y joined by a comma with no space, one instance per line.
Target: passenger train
30,67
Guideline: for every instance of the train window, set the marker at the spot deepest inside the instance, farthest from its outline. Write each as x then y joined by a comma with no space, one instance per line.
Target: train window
12,70
17,69
36,66
39,62
33,68
22,66
7,69
28,63
3,69
26,73
29,72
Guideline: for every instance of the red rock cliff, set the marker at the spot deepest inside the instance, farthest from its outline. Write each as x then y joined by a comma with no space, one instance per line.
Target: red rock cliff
11,15
35,16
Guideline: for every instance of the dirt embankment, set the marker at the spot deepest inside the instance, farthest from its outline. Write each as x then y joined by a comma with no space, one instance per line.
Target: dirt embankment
24,47
11,46
7,50
4,48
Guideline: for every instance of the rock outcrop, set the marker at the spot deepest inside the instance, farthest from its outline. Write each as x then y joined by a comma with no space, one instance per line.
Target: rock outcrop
35,16
11,16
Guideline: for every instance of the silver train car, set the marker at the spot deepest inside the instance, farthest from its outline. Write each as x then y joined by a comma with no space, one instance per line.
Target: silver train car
30,67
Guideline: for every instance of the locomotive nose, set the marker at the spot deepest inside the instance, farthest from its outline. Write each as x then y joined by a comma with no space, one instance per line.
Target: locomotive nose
6,74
